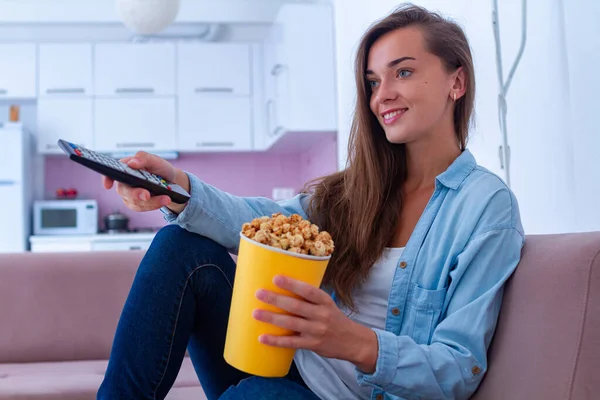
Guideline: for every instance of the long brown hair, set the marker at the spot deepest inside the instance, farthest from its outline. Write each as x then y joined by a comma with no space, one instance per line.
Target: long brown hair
360,206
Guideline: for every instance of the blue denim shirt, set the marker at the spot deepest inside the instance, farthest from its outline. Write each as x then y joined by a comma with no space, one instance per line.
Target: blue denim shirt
446,293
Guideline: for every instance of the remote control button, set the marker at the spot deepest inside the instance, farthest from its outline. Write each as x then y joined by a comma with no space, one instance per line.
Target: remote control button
78,152
72,145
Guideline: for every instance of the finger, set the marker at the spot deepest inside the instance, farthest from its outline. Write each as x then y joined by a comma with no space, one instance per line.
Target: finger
126,159
133,194
290,322
140,160
290,342
295,306
310,293
107,182
150,205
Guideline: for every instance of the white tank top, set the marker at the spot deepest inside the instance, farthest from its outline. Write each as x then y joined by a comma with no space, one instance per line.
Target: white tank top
335,379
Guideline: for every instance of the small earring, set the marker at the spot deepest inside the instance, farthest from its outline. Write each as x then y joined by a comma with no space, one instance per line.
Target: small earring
454,96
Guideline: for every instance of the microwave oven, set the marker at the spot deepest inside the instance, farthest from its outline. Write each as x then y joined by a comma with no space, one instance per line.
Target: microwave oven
65,217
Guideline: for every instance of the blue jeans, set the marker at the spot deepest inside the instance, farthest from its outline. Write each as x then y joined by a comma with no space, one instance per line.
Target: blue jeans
180,300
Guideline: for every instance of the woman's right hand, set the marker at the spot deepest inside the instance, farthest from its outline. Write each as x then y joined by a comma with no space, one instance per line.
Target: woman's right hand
139,199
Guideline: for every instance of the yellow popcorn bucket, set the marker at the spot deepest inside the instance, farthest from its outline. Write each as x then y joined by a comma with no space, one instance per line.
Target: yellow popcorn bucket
257,265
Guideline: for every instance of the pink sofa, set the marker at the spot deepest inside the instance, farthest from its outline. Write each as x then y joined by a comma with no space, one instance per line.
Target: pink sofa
58,313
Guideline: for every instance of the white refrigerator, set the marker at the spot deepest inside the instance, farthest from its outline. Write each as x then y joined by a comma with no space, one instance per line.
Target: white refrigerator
16,189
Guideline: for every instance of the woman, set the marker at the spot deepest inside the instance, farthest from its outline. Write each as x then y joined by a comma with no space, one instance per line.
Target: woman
425,241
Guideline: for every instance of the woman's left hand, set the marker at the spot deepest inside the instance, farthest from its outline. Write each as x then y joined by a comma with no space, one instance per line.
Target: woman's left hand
321,326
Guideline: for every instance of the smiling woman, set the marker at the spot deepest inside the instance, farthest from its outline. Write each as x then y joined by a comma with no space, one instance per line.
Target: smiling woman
425,240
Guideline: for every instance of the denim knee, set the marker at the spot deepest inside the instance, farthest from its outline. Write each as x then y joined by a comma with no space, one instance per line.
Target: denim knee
173,236
178,252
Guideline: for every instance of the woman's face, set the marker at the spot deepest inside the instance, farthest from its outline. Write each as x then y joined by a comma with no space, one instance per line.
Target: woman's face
412,92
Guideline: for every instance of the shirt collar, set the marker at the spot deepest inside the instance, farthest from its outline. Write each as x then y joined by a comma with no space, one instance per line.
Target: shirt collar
458,171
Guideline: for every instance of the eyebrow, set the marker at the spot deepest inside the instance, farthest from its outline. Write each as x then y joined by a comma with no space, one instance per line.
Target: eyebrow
392,64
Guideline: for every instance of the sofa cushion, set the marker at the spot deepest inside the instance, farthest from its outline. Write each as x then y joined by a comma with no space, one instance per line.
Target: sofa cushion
77,380
62,306
547,342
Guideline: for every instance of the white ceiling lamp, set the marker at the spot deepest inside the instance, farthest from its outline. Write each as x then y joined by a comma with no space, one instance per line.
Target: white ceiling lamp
146,17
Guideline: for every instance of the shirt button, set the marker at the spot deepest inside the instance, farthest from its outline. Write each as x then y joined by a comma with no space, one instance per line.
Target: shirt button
395,311
403,264
476,370
379,397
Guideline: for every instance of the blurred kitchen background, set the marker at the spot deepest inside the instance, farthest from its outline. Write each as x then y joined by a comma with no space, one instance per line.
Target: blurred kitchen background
255,97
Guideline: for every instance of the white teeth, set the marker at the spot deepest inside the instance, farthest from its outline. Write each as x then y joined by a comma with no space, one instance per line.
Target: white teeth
393,114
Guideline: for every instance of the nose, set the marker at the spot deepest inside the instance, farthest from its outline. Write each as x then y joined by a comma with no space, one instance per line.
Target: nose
386,92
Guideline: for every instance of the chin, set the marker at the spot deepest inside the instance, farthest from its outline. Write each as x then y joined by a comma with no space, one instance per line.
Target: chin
397,137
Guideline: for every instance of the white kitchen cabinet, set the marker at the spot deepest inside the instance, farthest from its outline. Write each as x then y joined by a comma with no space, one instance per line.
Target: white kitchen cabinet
134,69
217,123
121,245
300,72
131,124
98,242
213,68
64,118
65,69
60,244
18,70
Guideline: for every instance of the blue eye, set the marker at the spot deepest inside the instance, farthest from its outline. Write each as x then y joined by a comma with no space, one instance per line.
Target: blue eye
373,84
404,73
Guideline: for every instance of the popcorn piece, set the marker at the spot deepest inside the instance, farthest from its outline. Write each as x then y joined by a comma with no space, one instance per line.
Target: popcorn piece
285,243
319,249
306,233
266,226
261,237
314,230
297,241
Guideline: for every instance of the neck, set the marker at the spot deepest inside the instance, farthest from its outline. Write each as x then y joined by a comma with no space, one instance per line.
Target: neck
426,159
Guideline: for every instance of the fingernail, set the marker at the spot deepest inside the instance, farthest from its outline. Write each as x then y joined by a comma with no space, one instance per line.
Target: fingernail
165,201
260,294
142,196
278,280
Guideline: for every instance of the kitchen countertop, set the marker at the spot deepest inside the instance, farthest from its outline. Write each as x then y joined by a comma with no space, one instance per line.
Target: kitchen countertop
99,237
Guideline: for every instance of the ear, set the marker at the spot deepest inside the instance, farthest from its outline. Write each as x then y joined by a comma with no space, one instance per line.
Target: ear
458,83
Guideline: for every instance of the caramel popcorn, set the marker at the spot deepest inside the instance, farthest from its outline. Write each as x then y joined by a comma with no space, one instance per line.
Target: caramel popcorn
293,234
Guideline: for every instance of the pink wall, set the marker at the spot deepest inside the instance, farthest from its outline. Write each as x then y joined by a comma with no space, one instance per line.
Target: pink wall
242,174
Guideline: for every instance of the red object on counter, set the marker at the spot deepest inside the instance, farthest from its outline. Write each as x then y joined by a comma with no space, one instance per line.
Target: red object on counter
62,193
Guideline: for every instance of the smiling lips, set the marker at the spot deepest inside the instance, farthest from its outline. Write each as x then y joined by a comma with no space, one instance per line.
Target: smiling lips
391,116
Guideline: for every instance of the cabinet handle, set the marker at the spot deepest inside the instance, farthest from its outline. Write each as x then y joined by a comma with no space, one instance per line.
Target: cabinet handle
51,146
3,91
6,183
277,69
126,145
135,247
134,90
65,91
215,144
214,90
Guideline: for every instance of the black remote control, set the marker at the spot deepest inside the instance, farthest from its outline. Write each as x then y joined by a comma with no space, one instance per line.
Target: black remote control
121,172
